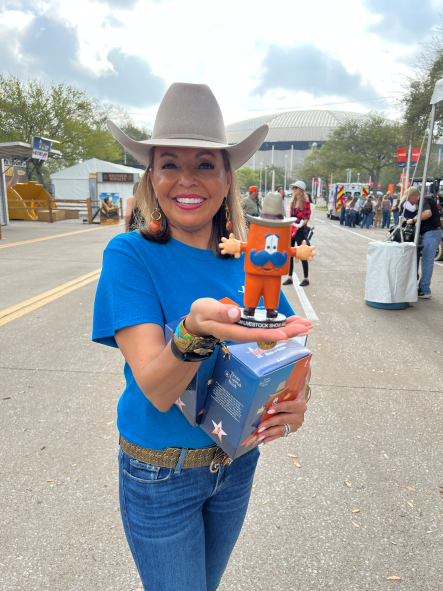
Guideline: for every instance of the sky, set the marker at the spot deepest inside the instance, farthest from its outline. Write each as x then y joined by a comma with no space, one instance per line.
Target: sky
257,56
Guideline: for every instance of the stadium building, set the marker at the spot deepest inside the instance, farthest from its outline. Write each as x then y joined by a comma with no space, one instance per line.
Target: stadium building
291,134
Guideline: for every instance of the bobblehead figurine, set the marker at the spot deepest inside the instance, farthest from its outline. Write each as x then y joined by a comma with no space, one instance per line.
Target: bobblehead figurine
267,254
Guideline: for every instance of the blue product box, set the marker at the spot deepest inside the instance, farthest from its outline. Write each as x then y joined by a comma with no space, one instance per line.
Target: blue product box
246,386
192,401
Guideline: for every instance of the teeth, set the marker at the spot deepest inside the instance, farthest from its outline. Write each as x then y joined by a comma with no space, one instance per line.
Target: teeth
189,200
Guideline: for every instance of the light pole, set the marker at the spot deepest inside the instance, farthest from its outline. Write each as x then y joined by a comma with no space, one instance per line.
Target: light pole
436,101
286,163
266,180
261,166
358,177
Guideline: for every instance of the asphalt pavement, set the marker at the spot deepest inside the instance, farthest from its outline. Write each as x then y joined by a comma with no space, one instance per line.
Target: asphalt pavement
350,501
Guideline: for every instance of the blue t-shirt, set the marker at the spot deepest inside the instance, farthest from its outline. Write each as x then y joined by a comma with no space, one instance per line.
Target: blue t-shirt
143,282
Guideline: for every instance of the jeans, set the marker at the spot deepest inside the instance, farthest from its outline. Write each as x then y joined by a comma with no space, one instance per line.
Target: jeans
348,217
396,215
386,219
366,220
182,525
342,215
354,218
430,242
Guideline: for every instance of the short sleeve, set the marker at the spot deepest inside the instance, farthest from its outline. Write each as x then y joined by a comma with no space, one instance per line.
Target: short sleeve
125,296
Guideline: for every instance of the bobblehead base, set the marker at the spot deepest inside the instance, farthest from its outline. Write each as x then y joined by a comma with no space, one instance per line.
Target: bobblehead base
245,387
260,320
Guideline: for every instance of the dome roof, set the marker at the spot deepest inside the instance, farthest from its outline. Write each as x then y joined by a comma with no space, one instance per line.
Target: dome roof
294,126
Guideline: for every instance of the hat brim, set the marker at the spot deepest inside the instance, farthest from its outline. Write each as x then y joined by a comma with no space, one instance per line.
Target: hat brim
239,153
270,223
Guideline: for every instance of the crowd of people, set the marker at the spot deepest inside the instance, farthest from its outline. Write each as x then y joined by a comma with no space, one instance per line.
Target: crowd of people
372,211
301,208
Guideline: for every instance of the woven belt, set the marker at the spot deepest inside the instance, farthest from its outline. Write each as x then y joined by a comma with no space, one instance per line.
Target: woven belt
168,458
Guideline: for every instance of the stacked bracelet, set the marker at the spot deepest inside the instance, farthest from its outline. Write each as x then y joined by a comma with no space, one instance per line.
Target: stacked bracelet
189,347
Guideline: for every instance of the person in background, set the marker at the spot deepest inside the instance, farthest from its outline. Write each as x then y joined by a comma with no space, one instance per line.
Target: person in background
250,204
361,204
367,213
374,200
343,210
395,211
281,191
133,218
311,223
348,211
378,213
386,211
301,210
431,234
353,212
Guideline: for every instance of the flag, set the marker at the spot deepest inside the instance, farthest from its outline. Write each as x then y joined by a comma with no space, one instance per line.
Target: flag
402,154
414,157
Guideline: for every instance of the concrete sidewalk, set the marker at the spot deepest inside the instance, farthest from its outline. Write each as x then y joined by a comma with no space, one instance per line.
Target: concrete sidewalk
371,441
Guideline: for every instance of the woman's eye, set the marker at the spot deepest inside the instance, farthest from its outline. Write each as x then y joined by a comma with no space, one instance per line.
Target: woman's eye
168,166
206,166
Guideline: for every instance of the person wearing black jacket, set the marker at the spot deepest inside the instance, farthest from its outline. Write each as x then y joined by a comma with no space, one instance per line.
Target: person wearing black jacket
431,235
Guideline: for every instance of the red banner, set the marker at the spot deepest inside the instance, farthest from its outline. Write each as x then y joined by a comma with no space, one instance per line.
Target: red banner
414,157
402,155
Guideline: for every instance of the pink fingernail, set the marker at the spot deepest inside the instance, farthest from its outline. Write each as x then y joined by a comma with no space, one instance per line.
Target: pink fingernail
262,429
271,411
261,438
233,313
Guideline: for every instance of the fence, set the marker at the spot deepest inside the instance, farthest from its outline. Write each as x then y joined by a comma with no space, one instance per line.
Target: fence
75,205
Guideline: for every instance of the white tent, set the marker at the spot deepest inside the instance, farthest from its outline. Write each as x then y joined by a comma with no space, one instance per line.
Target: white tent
73,182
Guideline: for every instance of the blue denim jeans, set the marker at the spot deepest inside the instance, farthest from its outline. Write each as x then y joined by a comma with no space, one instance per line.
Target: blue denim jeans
396,215
386,219
430,242
348,217
182,525
354,218
366,220
342,215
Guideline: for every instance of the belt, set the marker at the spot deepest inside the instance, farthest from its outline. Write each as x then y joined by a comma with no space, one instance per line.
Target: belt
168,458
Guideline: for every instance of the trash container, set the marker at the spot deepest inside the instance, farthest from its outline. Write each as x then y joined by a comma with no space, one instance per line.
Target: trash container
391,275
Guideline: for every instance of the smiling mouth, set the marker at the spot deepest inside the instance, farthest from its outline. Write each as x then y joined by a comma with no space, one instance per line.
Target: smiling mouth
189,200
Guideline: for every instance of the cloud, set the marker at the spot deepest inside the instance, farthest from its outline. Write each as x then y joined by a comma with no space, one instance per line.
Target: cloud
113,23
306,68
120,4
49,50
405,21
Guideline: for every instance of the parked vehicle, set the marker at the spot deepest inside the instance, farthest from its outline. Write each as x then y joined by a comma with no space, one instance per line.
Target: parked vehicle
338,193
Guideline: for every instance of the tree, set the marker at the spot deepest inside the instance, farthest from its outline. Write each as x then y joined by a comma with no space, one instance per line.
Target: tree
122,118
246,177
368,145
418,90
59,112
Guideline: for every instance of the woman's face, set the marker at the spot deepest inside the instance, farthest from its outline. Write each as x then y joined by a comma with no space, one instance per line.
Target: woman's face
190,185
282,192
296,192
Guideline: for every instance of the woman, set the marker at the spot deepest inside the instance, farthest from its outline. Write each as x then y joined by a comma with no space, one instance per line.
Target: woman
181,522
301,210
348,211
378,212
354,208
133,218
395,211
386,211
367,213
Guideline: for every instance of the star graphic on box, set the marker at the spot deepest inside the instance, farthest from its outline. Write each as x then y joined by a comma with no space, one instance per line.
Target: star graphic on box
179,403
218,429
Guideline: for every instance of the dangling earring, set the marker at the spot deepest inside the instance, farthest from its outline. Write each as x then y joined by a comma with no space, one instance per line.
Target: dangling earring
156,216
228,218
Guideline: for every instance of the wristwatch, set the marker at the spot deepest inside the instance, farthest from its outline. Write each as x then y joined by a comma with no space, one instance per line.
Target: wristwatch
191,348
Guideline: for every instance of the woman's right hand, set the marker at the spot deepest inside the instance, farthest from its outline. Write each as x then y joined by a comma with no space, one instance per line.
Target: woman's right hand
210,317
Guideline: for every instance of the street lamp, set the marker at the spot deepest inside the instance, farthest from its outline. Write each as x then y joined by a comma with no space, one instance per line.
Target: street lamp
266,179
261,166
286,162
358,177
436,101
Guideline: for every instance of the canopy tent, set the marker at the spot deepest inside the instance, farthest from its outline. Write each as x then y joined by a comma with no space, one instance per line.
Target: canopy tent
73,182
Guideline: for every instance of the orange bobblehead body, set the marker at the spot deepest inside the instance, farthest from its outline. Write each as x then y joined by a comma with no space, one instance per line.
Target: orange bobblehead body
267,254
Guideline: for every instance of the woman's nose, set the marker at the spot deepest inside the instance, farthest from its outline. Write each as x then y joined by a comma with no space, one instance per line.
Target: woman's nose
187,176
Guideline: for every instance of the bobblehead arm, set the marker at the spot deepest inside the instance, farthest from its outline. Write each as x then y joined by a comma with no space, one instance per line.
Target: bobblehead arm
232,246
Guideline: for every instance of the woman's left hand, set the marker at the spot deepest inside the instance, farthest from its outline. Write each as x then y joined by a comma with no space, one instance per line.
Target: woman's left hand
291,412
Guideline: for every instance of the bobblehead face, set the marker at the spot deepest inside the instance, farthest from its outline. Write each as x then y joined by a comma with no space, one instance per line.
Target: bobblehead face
267,250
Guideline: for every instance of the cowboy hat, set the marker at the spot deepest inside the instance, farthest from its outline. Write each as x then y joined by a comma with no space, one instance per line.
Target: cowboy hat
272,214
189,116
299,184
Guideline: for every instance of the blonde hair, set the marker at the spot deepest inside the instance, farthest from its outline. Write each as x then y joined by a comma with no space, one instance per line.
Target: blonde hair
409,192
302,197
147,202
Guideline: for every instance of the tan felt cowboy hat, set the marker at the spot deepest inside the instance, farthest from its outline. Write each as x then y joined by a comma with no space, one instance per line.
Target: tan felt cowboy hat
189,116
272,214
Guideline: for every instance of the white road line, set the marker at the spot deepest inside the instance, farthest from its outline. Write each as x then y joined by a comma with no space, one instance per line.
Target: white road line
306,304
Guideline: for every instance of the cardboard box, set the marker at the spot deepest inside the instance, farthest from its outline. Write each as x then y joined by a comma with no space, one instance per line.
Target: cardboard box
244,387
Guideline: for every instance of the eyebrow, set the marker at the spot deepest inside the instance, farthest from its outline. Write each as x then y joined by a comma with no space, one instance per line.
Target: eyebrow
170,154
204,153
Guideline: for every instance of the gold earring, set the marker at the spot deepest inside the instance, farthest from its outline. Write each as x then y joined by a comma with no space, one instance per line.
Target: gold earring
228,218
156,216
